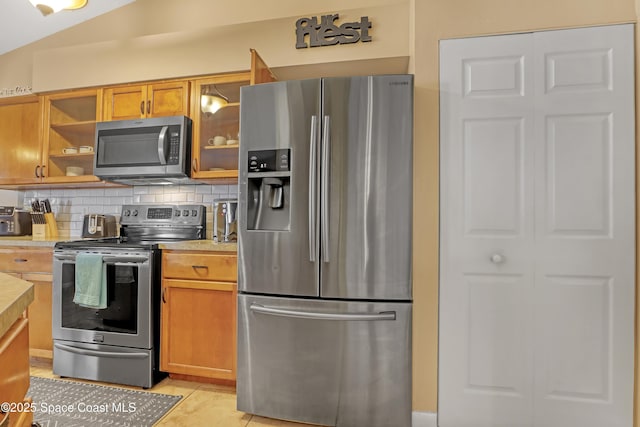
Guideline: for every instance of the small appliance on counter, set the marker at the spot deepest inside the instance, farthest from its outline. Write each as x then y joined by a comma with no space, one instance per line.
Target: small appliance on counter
98,225
14,221
225,220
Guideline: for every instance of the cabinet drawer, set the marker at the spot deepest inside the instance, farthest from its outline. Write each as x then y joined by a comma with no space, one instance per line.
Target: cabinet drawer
199,266
26,260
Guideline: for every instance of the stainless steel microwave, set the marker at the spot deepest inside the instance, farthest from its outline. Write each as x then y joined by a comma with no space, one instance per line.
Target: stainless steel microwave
144,151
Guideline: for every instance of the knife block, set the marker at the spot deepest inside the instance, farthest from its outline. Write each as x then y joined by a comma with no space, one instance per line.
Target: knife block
38,231
43,226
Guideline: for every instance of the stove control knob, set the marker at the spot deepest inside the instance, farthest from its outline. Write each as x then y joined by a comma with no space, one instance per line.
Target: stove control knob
185,212
194,212
135,212
126,212
178,212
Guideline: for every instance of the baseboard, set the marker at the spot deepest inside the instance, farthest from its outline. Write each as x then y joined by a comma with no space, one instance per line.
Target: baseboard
424,419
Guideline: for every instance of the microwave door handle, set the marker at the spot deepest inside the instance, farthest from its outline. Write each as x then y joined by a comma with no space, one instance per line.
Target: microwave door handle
161,143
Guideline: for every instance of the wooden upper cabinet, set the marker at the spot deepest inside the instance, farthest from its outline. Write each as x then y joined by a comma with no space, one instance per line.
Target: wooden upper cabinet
69,133
260,72
21,140
168,99
214,162
150,100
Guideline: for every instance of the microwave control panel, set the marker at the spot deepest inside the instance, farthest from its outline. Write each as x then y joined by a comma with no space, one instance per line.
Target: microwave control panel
174,146
270,160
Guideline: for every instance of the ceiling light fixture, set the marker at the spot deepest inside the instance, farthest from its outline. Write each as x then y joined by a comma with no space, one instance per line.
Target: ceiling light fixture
212,103
47,7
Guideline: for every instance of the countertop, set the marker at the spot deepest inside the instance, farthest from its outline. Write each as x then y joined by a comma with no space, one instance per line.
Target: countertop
28,241
15,297
200,245
188,245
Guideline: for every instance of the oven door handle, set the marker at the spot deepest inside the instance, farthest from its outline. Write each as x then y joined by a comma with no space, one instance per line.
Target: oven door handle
127,259
109,259
88,352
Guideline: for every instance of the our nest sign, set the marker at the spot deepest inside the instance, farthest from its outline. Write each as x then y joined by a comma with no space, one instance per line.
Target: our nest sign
328,33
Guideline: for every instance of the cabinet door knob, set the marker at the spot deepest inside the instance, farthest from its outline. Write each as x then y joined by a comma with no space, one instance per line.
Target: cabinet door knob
142,107
149,107
497,258
194,165
37,171
163,293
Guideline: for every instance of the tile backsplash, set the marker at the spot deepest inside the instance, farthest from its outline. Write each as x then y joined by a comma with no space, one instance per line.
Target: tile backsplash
70,205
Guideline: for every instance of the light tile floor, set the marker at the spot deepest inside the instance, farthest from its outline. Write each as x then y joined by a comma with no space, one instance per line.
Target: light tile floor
201,404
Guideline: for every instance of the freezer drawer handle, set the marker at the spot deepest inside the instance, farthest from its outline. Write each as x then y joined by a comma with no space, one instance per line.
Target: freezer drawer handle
385,315
87,352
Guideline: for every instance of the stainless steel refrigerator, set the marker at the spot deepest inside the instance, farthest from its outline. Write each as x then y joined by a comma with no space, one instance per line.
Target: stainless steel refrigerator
324,251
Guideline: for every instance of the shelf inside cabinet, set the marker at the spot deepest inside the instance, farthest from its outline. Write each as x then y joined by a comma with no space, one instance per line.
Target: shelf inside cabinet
58,163
74,109
220,147
85,128
71,157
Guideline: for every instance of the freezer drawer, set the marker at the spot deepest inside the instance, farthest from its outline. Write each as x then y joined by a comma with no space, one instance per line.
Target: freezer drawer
326,362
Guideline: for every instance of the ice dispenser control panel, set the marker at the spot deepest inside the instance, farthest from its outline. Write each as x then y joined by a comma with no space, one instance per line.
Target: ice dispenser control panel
269,160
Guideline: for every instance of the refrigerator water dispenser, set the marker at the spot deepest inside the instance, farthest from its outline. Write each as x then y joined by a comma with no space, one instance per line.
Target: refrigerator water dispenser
268,204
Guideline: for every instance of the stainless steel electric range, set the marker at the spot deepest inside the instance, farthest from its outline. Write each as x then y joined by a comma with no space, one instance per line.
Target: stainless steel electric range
120,343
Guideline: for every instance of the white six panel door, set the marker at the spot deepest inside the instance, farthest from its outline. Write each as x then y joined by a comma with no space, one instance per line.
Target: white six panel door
537,230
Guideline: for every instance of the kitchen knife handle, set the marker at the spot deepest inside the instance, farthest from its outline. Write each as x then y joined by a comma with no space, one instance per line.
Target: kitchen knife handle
142,108
324,201
313,187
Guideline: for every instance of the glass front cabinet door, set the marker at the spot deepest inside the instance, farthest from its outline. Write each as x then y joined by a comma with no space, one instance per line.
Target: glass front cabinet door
216,126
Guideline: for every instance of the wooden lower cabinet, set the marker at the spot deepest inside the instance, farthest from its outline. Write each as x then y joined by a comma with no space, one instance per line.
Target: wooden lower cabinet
34,264
39,314
14,371
198,333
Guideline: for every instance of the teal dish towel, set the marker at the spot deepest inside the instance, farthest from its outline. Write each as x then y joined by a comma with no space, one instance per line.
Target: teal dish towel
91,281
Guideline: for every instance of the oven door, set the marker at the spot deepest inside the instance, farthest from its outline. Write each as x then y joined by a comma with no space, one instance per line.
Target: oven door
127,320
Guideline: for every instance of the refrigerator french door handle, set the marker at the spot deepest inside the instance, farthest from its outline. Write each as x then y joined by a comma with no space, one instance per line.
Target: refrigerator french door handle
262,309
313,186
326,154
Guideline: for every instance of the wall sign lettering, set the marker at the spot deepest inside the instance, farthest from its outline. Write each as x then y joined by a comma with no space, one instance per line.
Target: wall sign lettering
327,33
15,91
